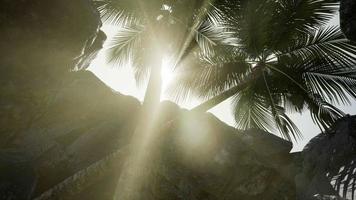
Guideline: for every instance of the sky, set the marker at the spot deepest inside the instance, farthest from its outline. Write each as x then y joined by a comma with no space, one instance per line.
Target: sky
122,80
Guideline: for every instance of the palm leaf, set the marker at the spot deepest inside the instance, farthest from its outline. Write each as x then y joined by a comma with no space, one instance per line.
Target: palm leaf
326,45
130,46
333,86
335,83
291,16
208,31
205,77
326,61
122,46
323,113
305,14
116,12
251,111
252,23
257,22
284,124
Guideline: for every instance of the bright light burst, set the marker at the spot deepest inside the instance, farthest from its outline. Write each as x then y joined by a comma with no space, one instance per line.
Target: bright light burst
167,73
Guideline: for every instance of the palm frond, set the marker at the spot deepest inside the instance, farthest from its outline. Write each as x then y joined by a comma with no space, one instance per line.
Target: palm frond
327,63
131,46
335,83
251,111
273,24
123,45
210,32
333,86
284,124
205,77
325,44
343,178
252,24
323,113
304,15
116,12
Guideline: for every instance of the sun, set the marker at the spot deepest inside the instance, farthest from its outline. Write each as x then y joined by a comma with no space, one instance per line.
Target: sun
167,73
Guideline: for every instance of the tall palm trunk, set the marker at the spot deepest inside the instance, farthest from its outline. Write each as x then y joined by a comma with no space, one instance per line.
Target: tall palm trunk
210,103
136,173
214,101
153,91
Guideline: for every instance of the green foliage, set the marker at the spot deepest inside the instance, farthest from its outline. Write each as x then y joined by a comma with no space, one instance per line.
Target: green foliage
218,44
176,27
305,65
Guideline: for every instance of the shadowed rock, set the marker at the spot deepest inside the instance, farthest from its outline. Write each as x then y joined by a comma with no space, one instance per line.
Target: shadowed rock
348,18
40,41
329,162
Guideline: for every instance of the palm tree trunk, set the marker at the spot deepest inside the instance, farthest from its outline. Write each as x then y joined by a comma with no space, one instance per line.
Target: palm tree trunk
153,91
207,105
135,176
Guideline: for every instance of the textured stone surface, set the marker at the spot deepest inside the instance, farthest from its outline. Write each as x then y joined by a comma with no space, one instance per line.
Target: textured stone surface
200,158
348,18
328,161
41,41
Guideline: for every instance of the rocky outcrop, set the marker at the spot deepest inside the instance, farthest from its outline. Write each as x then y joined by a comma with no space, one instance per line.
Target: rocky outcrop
199,157
329,161
348,18
41,41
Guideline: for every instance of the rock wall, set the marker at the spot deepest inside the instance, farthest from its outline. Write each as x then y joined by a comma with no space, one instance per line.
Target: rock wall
41,41
199,158
328,162
348,18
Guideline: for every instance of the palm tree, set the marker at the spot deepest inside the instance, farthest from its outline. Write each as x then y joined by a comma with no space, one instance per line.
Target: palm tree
276,59
284,60
150,31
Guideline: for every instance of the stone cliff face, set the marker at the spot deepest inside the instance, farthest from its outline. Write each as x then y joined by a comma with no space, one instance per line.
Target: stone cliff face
200,157
41,41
